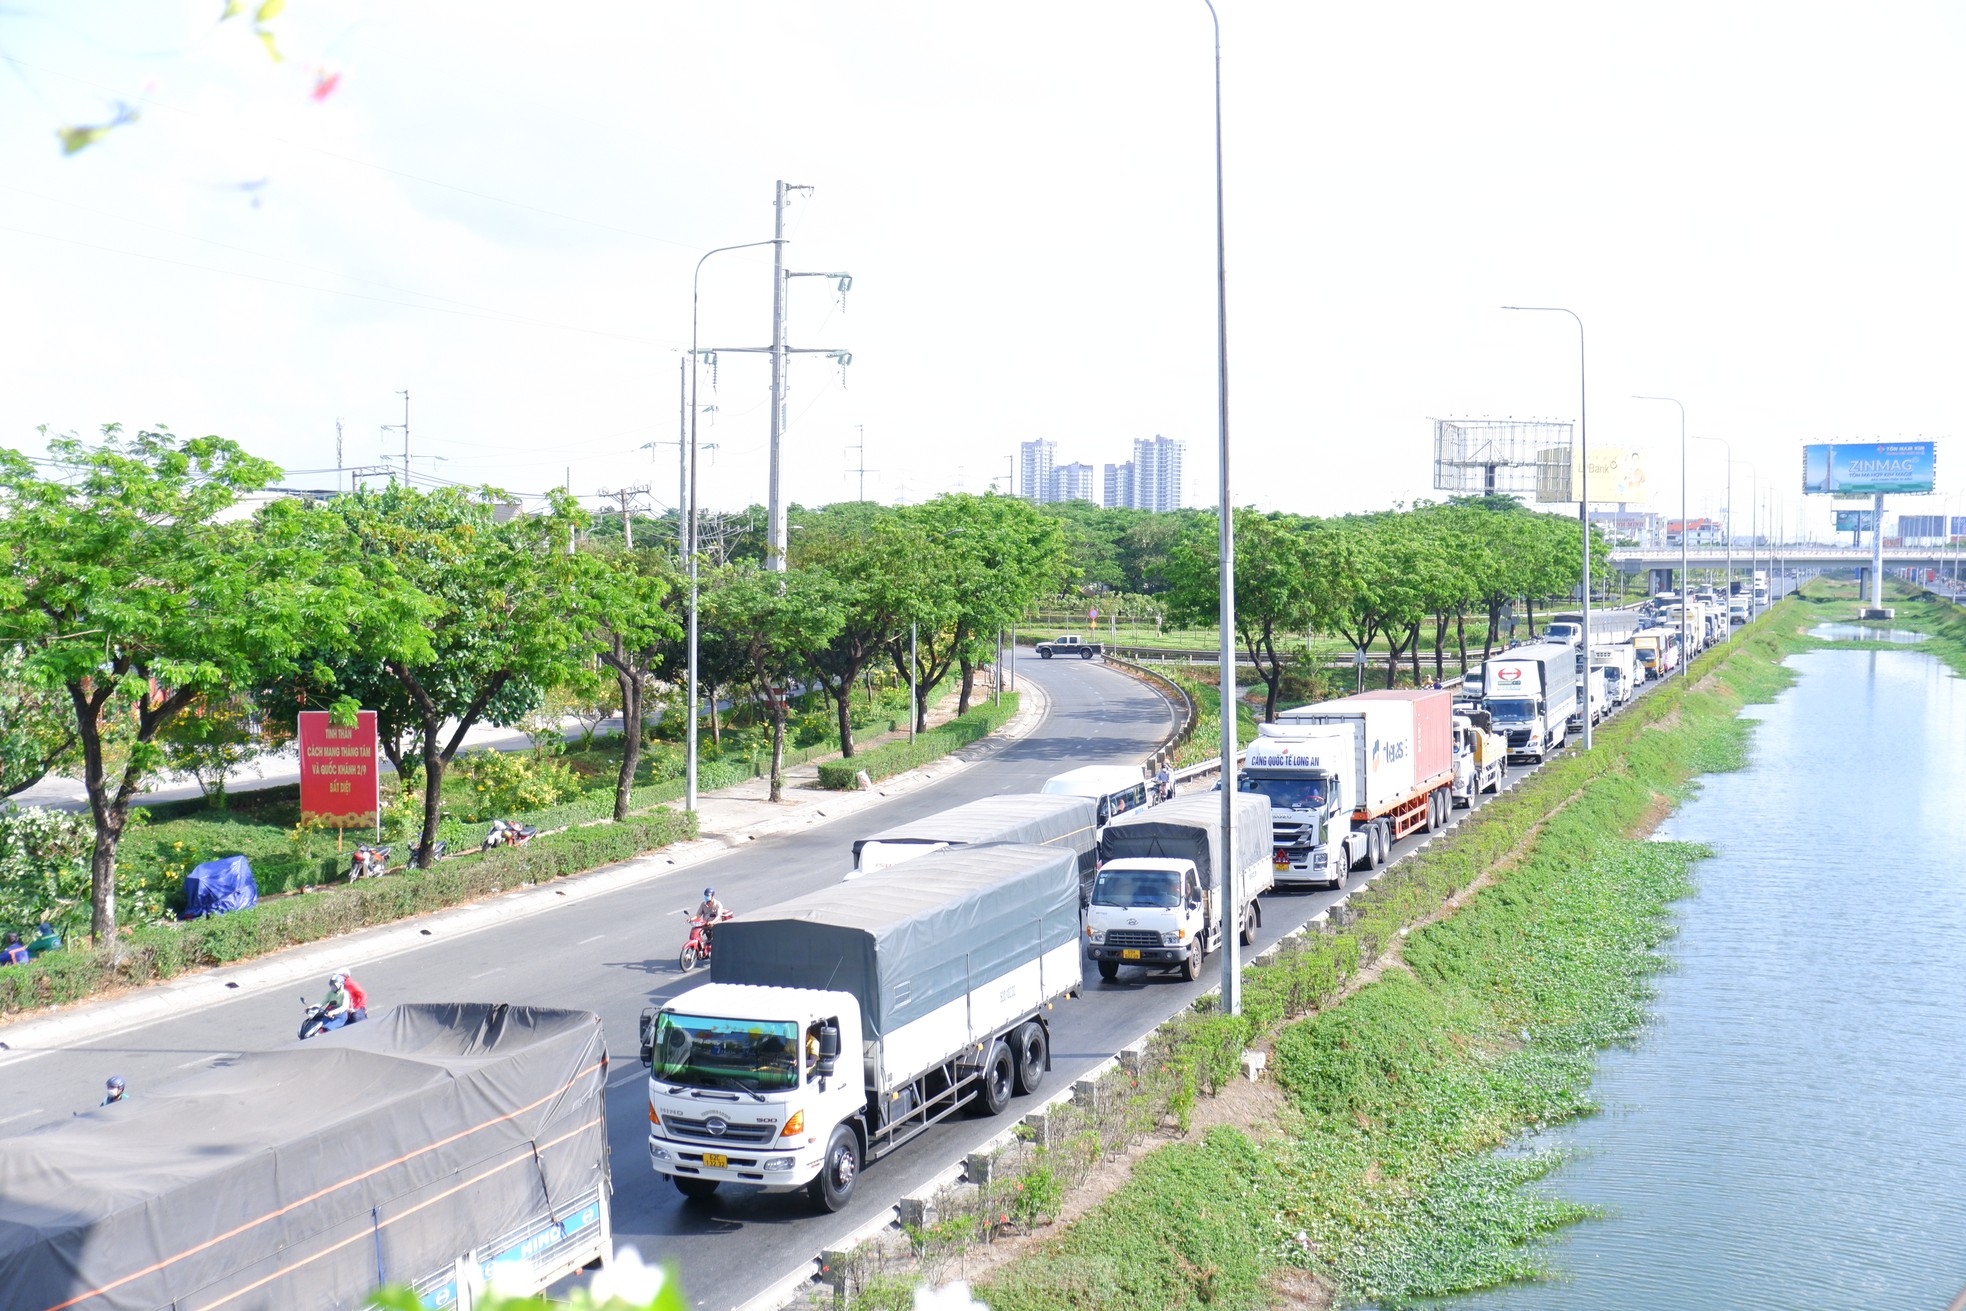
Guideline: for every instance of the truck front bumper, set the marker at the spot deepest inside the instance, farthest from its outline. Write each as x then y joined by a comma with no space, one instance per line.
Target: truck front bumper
1307,866
1141,955
736,1164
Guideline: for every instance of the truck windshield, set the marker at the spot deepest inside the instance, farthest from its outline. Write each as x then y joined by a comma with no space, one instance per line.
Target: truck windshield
1288,793
745,1055
1138,887
1512,711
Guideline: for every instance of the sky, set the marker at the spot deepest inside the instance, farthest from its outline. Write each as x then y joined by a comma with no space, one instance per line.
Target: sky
499,208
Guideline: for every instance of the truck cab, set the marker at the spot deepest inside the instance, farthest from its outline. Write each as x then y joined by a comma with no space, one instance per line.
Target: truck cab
1566,631
1151,913
1306,777
1480,757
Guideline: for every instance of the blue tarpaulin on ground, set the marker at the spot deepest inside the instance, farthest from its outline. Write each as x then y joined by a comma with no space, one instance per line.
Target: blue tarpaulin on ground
218,886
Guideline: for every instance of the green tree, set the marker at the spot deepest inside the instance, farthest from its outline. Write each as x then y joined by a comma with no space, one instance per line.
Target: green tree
37,726
123,587
777,618
1272,589
624,596
884,575
215,735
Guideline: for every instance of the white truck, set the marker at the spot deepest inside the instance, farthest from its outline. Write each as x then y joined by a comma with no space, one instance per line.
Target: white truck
1657,649
1532,692
1622,672
1346,779
1071,644
839,1025
1039,819
1162,900
1593,697
1480,757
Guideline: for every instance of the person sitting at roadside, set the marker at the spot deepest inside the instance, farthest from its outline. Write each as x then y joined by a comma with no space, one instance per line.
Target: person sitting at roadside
13,953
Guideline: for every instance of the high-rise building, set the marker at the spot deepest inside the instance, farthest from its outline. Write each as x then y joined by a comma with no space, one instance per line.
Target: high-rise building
1157,474
1072,482
1119,486
1034,469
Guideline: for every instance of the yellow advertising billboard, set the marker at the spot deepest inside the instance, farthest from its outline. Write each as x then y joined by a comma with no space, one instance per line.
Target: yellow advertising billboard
1617,474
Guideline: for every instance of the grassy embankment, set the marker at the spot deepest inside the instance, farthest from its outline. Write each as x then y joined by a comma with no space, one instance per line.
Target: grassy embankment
1458,1003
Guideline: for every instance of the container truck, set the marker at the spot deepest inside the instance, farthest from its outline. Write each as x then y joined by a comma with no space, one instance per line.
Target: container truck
1480,756
1163,899
1069,823
1657,650
1348,778
1532,692
839,1025
434,1146
1593,698
1622,672
1608,627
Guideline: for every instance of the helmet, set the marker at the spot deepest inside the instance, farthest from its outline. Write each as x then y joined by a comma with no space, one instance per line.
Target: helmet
115,1083
338,976
709,893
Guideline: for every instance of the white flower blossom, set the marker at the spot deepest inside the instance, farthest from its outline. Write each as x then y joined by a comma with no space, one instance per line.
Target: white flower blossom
952,1297
628,1279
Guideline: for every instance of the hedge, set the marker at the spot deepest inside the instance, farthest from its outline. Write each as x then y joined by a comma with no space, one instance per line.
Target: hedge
157,952
893,758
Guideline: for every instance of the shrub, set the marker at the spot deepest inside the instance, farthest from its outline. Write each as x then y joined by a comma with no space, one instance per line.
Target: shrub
504,783
44,869
893,758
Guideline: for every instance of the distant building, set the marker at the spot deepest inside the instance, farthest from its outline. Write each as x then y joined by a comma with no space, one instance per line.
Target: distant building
1118,486
1629,527
1072,482
1157,474
1034,461
1699,532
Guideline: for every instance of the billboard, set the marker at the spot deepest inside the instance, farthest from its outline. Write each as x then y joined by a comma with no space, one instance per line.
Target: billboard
1617,474
1959,525
1869,468
1854,521
340,780
1921,525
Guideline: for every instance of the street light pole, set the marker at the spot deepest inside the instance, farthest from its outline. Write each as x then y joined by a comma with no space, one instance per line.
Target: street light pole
1226,600
1725,445
1583,497
689,514
1685,570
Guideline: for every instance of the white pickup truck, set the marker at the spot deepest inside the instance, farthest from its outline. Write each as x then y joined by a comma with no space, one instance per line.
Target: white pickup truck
1071,644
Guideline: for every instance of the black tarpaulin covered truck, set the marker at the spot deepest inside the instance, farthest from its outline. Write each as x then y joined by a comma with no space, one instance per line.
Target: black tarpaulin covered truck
430,1146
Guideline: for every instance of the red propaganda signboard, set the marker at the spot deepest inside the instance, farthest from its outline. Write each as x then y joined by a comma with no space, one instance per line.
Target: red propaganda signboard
339,779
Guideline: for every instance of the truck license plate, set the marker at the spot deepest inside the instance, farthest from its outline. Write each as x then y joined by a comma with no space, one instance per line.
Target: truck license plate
1128,953
716,1161
1281,862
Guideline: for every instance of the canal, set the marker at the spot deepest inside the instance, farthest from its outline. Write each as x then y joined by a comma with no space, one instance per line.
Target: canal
1789,1131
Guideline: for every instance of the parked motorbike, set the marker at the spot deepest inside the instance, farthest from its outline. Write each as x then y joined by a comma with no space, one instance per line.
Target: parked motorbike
506,834
696,947
368,862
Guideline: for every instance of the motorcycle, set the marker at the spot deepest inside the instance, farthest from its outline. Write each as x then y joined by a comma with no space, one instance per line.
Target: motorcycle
315,1019
697,946
368,862
506,834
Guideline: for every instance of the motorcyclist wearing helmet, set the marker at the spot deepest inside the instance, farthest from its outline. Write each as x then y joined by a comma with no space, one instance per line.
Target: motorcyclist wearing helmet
115,1090
710,911
345,1003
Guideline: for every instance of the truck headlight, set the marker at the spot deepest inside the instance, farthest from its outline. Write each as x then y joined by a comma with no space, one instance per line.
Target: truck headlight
1172,937
1097,937
658,1153
778,1163
1321,858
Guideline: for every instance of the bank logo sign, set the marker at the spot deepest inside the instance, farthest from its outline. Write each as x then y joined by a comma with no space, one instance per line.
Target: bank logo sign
1870,468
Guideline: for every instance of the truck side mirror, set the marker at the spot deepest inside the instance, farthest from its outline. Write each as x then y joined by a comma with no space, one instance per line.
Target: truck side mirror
829,1049
648,1039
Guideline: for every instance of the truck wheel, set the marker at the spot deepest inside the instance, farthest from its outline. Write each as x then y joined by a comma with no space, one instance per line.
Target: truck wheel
998,1078
1109,970
831,1188
1377,837
1251,917
1044,653
1191,968
1028,1048
694,1189
1086,654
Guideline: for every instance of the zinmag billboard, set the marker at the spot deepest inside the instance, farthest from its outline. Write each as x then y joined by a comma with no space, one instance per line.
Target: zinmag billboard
1863,469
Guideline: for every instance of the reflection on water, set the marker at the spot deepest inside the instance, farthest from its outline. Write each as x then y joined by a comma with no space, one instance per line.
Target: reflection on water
1864,633
1790,1131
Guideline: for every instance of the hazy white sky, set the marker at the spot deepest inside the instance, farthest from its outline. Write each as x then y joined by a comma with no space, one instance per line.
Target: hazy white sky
499,206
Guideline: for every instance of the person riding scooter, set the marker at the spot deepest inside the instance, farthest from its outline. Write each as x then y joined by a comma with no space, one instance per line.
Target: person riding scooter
710,912
346,1002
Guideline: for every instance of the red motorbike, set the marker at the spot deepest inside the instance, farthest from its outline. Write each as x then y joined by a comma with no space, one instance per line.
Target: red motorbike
697,946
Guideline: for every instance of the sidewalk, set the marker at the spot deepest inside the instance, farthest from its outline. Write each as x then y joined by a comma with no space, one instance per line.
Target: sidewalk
727,818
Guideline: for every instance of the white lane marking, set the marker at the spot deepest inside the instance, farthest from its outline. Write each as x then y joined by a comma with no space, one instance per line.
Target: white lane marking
598,936
20,1115
617,1082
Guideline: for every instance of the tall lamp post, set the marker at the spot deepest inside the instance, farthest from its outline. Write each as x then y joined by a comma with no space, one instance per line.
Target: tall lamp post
689,513
1685,571
1730,532
1226,532
1583,497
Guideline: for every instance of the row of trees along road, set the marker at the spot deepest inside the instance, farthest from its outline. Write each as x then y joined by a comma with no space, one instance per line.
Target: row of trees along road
136,595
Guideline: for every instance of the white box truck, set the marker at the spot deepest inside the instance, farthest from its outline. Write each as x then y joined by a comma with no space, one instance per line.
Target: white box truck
1162,900
1480,756
1622,672
1532,692
1038,819
1346,779
839,1025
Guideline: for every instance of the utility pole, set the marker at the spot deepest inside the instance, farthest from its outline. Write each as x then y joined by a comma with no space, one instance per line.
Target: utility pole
627,496
406,435
775,529
337,455
861,468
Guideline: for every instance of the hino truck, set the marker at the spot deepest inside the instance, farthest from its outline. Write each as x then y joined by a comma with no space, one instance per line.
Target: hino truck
1480,756
840,1025
1069,823
440,1147
1346,779
1163,899
1532,692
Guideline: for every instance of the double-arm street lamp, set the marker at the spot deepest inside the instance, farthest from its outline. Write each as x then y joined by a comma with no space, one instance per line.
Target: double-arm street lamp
689,513
1583,498
1685,530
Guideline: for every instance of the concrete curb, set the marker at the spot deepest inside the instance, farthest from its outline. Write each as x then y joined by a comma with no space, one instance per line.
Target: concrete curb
31,1036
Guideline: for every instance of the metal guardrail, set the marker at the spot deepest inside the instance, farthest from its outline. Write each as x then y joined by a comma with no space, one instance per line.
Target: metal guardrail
1186,715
